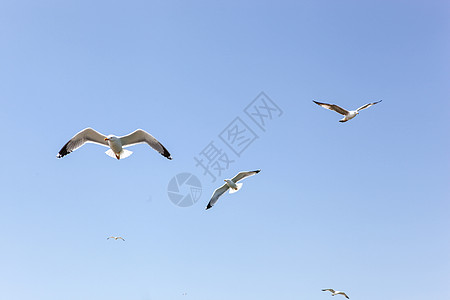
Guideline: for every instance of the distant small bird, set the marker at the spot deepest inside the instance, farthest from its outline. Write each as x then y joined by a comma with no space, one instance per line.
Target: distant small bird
116,238
230,184
116,143
333,292
348,115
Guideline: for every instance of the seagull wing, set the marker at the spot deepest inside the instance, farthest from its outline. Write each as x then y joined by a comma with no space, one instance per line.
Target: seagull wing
344,294
87,135
242,175
140,136
121,238
334,107
216,195
328,290
368,105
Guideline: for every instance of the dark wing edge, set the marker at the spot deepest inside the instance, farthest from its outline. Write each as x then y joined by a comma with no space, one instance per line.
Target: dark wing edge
64,151
368,105
333,107
140,137
244,174
216,195
165,153
84,136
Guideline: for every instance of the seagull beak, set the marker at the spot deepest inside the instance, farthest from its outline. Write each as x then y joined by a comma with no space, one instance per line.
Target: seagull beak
106,139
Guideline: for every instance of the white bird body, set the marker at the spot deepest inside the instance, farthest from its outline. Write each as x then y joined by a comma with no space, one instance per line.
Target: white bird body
230,184
116,151
351,114
115,143
334,293
348,115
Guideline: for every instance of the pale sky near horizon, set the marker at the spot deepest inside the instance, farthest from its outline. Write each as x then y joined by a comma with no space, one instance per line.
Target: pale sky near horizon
361,206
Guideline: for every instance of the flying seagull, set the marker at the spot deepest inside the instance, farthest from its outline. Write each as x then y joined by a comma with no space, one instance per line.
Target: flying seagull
230,183
115,143
348,115
333,292
116,238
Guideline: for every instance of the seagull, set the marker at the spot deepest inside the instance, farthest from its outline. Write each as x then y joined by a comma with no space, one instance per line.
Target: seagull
116,238
115,143
230,183
333,292
348,115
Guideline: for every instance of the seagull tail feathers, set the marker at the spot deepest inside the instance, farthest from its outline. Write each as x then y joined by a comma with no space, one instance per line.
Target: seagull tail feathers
239,185
123,154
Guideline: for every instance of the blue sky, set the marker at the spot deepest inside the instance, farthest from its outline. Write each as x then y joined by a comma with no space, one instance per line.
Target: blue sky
356,206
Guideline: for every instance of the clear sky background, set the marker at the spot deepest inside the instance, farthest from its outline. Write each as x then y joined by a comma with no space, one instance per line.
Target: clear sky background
361,206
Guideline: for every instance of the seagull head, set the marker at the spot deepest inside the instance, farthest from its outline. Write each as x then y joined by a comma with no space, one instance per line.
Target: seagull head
110,138
229,181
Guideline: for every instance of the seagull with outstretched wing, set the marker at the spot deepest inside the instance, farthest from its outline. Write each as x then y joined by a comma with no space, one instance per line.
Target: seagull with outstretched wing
230,184
348,115
333,292
116,238
116,144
